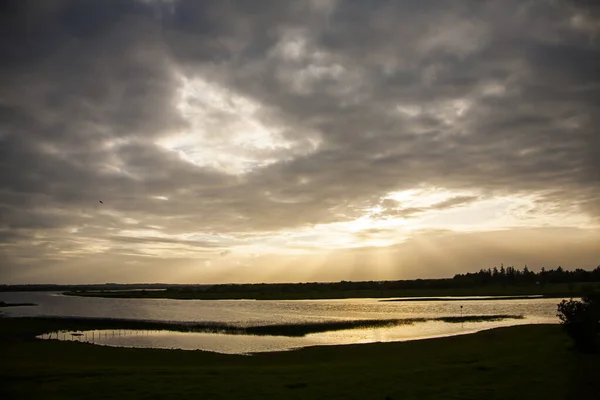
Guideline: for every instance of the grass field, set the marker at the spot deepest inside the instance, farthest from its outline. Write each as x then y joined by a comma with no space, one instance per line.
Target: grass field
523,362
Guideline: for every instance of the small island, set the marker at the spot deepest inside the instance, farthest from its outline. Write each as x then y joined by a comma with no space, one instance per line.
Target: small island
4,304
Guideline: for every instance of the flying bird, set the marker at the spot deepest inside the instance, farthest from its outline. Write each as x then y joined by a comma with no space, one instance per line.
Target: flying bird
101,201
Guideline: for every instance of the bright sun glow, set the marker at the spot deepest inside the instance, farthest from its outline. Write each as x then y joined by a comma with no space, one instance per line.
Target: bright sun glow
402,213
398,216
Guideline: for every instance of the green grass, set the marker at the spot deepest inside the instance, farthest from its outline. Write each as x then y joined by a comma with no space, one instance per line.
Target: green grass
523,362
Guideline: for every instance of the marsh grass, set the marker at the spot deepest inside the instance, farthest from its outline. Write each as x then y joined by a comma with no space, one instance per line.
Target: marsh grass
290,330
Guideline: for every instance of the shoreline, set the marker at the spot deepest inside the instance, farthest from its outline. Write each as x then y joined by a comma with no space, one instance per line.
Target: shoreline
473,298
165,295
467,366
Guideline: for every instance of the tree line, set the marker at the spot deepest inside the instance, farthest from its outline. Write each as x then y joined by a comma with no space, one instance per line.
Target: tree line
505,276
512,275
490,278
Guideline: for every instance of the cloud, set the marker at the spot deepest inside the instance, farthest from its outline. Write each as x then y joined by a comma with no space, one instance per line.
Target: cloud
252,120
391,207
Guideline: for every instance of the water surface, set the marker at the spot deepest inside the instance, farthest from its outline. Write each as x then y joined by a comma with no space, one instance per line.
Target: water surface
248,344
267,312
247,313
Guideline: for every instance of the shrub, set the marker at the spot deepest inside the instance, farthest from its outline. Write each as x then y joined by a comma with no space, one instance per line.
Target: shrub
581,321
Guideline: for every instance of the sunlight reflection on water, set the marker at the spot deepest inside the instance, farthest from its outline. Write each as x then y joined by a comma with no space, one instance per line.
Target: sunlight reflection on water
244,313
247,344
251,312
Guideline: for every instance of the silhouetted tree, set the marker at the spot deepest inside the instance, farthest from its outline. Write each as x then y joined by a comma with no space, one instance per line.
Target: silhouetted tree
542,276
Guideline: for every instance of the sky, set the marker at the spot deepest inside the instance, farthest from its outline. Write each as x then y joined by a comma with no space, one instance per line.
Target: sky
275,141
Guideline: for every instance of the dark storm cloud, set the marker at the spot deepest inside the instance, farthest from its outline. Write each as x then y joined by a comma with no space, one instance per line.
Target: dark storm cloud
89,87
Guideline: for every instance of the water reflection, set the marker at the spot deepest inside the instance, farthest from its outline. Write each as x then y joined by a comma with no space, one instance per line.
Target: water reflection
252,313
248,344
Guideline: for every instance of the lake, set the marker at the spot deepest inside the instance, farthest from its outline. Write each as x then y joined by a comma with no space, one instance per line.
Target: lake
247,313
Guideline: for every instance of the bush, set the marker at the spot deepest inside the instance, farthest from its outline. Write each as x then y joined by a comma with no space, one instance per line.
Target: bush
581,321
